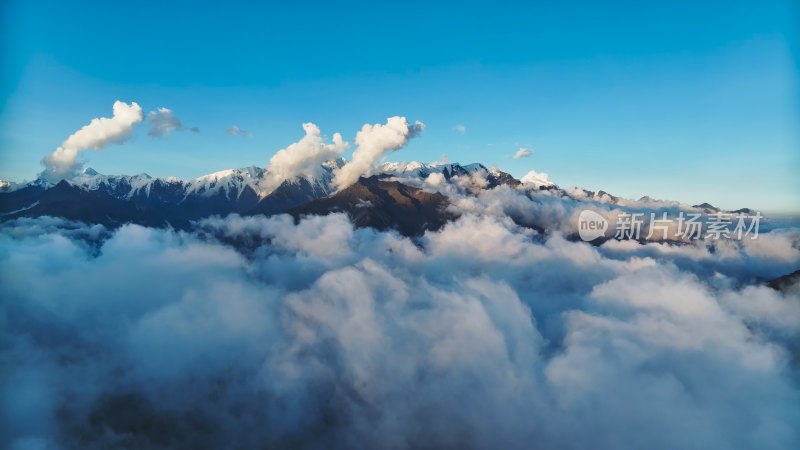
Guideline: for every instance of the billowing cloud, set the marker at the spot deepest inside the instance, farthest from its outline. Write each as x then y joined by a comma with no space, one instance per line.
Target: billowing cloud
483,334
95,136
522,153
236,131
536,179
460,128
495,331
373,142
163,122
302,158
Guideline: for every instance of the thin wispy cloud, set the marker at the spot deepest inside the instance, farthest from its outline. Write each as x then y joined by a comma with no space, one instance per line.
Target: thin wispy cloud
236,131
460,128
522,153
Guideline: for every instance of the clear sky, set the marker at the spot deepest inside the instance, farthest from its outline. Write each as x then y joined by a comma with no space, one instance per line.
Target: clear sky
690,101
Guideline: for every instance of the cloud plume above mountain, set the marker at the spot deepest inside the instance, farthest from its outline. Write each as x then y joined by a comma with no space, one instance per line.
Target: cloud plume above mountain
98,134
374,141
302,158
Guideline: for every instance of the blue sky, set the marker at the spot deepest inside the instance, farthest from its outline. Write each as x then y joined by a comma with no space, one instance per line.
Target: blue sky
691,101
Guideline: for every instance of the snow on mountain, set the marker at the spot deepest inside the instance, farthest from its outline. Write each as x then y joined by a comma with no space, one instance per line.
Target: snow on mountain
114,199
123,186
248,184
11,186
231,181
416,169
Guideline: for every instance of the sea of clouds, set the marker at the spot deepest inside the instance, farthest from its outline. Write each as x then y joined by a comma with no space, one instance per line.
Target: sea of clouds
497,331
501,330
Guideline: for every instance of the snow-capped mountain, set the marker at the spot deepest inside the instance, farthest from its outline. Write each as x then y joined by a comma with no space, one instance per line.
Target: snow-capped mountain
410,197
231,183
417,169
437,173
178,202
235,183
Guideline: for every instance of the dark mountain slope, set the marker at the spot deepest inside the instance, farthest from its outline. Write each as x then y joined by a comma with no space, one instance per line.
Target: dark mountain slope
288,195
73,203
373,202
21,199
785,282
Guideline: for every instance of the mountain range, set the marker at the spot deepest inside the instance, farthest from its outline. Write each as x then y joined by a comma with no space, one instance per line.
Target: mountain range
406,197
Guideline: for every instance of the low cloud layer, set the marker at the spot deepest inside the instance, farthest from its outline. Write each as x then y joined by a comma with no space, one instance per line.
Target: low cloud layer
98,134
263,332
499,330
374,141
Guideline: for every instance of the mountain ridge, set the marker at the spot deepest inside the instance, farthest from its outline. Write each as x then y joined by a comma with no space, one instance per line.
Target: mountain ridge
410,197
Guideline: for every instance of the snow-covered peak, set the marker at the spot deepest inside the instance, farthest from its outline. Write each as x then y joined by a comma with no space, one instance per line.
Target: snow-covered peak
121,185
417,169
216,176
400,167
230,181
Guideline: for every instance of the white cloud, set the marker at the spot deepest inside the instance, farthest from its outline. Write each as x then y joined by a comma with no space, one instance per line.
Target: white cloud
522,153
95,136
506,330
302,158
163,122
504,336
236,131
374,141
537,179
460,128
